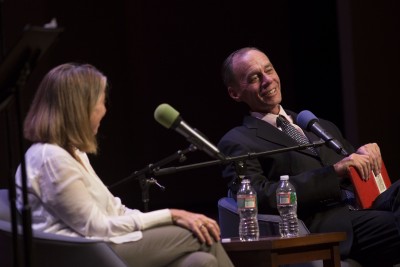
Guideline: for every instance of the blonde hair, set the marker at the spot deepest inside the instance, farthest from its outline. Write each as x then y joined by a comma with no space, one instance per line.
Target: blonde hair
61,109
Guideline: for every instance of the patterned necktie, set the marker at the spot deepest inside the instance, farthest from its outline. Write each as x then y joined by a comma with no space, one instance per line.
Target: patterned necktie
290,130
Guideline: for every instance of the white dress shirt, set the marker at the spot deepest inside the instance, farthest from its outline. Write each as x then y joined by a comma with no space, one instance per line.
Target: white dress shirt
271,118
69,198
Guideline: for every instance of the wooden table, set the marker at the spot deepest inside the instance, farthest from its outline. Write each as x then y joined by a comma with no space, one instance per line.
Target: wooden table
274,251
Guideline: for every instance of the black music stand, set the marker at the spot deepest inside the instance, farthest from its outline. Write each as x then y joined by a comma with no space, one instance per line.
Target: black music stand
15,70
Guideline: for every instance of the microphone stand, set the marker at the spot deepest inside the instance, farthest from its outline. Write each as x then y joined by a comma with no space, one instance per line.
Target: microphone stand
148,171
154,169
236,159
2,46
15,70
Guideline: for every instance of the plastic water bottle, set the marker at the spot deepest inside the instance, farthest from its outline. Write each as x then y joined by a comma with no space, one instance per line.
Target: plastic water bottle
247,207
286,200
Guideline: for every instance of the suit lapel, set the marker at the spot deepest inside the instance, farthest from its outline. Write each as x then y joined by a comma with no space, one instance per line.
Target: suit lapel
267,132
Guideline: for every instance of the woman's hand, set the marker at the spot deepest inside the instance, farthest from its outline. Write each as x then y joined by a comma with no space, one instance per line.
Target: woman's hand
206,229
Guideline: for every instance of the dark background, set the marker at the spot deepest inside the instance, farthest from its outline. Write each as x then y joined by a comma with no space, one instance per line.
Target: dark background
339,59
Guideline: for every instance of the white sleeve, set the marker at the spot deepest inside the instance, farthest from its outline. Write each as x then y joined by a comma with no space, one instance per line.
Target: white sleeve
65,194
152,218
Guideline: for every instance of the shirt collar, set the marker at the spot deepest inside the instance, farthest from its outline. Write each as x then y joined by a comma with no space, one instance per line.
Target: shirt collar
271,118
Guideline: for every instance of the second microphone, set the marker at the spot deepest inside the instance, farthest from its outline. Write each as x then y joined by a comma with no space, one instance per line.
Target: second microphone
168,117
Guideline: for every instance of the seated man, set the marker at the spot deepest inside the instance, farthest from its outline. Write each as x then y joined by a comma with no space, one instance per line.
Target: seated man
320,177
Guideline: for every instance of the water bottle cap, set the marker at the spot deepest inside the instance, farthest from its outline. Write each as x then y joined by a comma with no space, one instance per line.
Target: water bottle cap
245,181
284,177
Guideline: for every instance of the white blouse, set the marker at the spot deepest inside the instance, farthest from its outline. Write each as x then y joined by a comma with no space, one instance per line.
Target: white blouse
69,199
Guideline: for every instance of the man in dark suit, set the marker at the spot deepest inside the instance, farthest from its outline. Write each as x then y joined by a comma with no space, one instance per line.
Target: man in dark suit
324,192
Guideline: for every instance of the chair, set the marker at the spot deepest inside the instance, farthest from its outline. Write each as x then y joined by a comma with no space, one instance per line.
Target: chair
49,250
228,218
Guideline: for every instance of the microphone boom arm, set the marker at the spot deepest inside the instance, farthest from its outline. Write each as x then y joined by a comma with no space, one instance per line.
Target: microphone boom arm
171,170
148,171
153,167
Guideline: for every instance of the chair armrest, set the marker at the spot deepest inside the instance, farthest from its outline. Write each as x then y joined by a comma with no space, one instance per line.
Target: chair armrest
49,250
4,205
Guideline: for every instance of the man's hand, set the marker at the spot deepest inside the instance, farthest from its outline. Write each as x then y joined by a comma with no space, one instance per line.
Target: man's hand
366,159
375,158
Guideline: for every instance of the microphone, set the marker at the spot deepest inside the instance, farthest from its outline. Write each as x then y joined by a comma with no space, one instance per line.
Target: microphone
307,121
168,117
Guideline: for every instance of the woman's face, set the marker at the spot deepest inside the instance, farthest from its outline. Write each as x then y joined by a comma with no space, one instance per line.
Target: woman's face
99,111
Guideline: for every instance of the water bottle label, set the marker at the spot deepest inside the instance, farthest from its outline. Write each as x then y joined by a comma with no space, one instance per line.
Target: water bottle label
246,201
286,198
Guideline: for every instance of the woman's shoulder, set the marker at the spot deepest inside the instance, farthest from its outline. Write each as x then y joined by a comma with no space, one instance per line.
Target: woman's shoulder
46,150
45,147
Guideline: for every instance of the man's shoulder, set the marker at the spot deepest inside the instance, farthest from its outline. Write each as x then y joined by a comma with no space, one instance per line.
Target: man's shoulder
322,121
246,130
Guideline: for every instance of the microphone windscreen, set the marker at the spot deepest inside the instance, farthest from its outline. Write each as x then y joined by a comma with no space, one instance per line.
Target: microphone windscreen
305,118
166,115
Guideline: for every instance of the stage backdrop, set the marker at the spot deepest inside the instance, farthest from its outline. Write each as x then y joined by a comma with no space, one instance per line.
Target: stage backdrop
335,58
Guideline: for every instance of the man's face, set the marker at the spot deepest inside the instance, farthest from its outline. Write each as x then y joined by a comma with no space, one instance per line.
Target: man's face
257,83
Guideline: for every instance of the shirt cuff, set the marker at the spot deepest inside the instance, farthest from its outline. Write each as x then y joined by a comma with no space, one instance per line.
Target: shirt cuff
156,218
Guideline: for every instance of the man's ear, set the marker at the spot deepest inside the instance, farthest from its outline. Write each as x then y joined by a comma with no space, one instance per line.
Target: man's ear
234,95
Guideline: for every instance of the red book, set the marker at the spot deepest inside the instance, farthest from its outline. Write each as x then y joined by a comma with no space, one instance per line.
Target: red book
367,191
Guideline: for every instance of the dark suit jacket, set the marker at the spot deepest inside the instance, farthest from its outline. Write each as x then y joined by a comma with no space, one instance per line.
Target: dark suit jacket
317,185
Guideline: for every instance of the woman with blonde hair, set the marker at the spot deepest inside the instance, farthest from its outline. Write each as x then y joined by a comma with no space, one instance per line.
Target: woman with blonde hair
68,198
